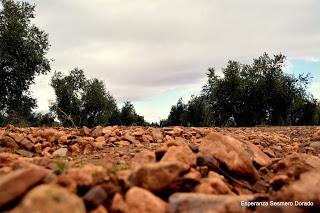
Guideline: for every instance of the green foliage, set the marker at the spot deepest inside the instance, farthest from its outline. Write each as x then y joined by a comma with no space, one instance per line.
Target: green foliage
61,165
128,116
23,47
250,94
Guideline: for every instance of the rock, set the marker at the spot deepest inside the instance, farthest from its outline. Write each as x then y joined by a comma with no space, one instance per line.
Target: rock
38,147
316,136
62,152
138,132
99,142
66,182
269,152
18,182
88,148
315,145
140,200
229,151
214,184
197,202
118,204
50,199
123,143
143,157
157,177
88,175
75,148
85,131
156,134
177,131
304,189
193,175
258,156
95,196
279,181
7,141
182,154
97,132
27,144
99,209
106,131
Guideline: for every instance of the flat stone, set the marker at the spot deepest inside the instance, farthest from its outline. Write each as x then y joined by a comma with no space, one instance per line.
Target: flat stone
140,200
182,154
157,177
62,152
18,182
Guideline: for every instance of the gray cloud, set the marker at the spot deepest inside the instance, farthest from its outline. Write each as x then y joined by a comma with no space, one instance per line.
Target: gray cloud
143,48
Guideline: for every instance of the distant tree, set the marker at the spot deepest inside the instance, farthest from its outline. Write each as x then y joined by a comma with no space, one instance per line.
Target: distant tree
80,101
128,115
98,104
68,90
178,115
23,48
45,120
198,111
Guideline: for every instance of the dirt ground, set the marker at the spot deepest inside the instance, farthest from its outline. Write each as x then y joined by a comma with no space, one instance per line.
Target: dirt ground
170,169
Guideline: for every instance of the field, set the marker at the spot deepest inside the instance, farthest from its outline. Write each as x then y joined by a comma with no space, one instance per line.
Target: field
171,169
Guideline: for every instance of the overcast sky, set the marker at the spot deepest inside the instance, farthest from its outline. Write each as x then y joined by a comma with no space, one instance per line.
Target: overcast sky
152,52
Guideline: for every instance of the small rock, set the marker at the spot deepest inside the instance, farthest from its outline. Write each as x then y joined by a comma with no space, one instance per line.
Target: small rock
95,196
143,157
315,145
99,209
75,148
7,141
50,199
118,204
230,151
177,131
97,132
38,147
27,144
85,131
123,143
88,148
88,175
18,182
157,177
269,152
182,154
140,200
62,152
278,181
214,184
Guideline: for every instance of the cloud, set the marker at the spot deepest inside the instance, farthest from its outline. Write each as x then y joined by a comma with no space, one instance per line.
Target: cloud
144,48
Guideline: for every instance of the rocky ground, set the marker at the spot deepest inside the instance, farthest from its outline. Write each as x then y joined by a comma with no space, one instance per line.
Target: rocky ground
144,169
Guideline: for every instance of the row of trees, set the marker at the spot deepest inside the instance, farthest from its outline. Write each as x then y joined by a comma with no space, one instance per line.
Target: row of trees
79,101
85,102
250,94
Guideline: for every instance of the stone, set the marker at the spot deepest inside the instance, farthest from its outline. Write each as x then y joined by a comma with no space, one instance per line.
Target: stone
269,152
229,151
177,131
88,148
305,189
87,175
75,148
50,199
118,204
197,202
214,184
156,134
27,144
140,200
62,152
97,132
142,158
7,141
315,145
38,147
99,209
278,181
258,156
95,196
18,182
123,143
157,177
106,131
99,142
85,131
182,154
